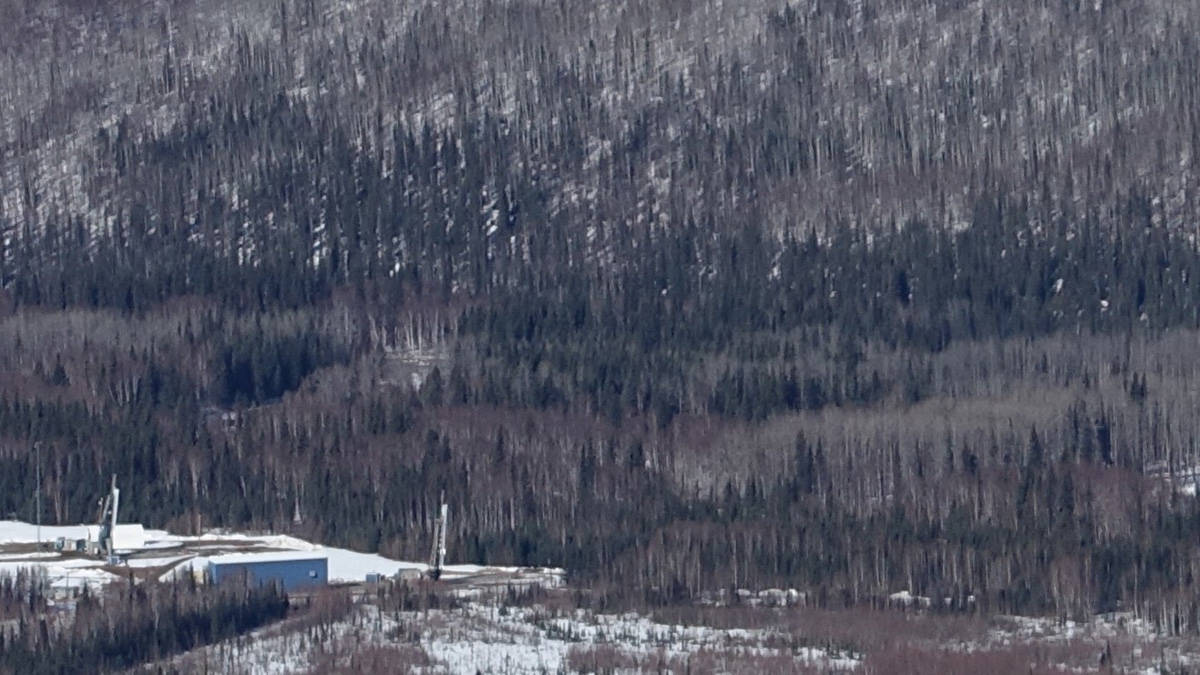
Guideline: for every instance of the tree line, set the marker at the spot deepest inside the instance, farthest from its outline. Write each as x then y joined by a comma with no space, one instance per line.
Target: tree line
131,627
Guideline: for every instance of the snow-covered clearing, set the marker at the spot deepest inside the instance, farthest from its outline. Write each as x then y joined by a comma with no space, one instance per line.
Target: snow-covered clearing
490,637
184,555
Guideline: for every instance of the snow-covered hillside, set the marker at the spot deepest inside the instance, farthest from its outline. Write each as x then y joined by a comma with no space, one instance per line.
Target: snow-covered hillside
489,636
494,635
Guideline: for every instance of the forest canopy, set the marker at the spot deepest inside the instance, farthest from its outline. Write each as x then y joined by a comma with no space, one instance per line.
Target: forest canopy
850,297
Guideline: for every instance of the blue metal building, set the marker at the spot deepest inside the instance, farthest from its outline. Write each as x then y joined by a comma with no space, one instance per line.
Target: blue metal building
297,570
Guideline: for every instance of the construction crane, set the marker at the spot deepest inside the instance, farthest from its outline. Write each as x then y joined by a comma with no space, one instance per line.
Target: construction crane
437,556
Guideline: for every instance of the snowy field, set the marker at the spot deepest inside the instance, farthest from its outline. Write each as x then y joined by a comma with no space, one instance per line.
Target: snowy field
490,637
171,555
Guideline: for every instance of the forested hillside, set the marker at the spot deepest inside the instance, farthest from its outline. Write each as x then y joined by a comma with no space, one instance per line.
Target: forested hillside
852,297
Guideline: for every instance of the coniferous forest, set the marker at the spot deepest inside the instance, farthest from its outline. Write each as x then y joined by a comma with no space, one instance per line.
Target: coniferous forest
125,629
849,297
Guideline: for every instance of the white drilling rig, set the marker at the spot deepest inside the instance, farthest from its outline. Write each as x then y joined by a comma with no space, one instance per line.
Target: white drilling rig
437,557
106,537
100,539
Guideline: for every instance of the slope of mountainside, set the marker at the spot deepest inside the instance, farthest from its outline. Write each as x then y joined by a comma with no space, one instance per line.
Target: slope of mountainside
809,113
848,297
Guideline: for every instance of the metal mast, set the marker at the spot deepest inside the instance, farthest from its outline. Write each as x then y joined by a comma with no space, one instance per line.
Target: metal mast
106,524
37,451
116,503
437,557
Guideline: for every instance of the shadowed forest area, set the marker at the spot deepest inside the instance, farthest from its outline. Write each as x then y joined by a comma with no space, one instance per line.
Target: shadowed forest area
848,297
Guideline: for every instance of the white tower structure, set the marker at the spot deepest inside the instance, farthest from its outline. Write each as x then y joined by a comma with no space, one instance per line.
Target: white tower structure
106,537
437,557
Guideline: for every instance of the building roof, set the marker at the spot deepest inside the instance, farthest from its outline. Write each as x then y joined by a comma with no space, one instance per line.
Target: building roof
265,557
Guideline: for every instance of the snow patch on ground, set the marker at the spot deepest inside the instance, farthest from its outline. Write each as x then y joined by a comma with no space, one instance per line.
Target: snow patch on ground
32,555
489,637
153,562
16,532
192,553
346,565
61,576
1183,479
